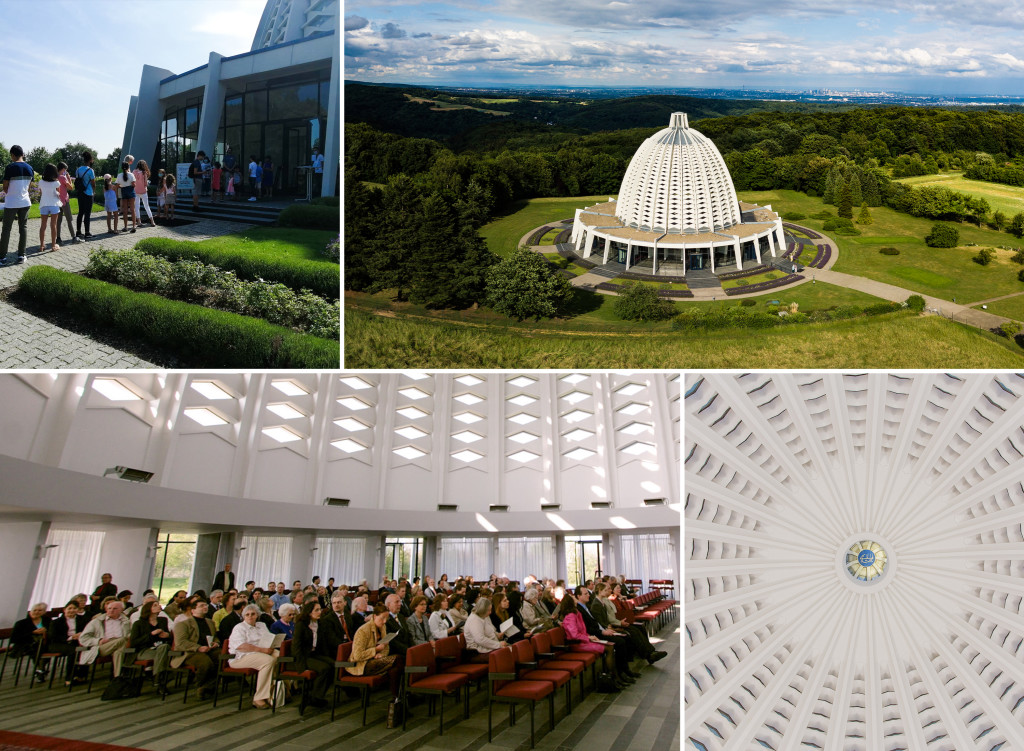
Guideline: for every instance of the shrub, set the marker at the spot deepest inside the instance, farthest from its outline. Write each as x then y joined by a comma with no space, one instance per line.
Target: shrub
197,282
326,201
841,226
796,318
889,251
522,286
915,303
1018,257
880,308
825,214
310,216
984,257
201,336
943,236
748,302
640,302
1010,329
321,277
794,216
333,250
1020,275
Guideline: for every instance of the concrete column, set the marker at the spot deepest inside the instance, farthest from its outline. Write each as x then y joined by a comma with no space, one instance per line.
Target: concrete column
771,245
301,565
577,227
588,246
332,138
780,236
206,564
711,255
655,261
629,256
145,115
213,107
21,544
736,247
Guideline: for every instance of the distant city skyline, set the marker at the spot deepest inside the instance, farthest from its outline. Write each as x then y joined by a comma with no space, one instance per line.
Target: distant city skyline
946,47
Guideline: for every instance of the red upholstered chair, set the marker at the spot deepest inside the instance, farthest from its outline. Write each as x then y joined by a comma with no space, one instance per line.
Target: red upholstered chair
53,662
548,659
564,651
506,689
185,669
136,667
529,669
343,679
5,648
100,660
286,674
448,655
422,678
245,676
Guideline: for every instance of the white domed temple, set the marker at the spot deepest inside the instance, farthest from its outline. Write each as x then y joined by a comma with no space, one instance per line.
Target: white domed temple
677,211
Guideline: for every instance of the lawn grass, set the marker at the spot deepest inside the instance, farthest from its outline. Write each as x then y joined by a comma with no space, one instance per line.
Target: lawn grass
276,242
1011,307
807,296
1006,198
941,272
748,280
503,234
373,341
549,237
657,285
33,212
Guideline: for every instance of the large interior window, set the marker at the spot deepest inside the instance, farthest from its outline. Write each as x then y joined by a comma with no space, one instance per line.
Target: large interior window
582,558
403,556
173,564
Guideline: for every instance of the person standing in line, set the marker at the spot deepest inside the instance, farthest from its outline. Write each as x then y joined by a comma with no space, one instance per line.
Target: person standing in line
141,174
229,160
110,203
207,170
49,207
216,175
169,196
254,184
66,183
195,171
17,177
268,177
85,186
126,186
318,171
161,188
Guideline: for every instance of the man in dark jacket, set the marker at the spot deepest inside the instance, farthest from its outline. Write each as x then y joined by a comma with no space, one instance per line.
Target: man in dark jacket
333,629
624,652
224,580
62,637
103,591
231,620
396,622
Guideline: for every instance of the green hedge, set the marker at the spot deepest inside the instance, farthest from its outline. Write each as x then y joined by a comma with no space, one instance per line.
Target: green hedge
201,336
310,216
326,201
321,277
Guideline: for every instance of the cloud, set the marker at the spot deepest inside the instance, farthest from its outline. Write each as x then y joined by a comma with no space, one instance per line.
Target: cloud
391,31
354,23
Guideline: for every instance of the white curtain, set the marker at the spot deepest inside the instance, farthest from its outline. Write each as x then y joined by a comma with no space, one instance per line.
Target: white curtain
263,559
69,568
646,556
519,556
343,558
463,556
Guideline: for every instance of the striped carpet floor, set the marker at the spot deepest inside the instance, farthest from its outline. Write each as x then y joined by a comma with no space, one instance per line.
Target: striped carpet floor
644,716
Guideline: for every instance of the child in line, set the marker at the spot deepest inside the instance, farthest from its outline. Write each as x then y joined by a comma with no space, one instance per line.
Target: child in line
230,192
66,184
126,184
161,210
49,206
110,202
238,183
169,196
268,177
215,175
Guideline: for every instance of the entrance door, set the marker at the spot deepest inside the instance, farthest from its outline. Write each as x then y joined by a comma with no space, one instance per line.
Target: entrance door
298,153
403,556
583,558
621,257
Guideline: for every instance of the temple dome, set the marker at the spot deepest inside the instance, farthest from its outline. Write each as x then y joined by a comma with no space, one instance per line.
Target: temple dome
677,182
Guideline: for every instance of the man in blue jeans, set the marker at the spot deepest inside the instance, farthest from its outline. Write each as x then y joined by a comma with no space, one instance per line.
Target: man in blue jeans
17,177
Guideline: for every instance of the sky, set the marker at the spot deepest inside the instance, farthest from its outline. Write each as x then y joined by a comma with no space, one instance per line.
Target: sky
953,47
66,96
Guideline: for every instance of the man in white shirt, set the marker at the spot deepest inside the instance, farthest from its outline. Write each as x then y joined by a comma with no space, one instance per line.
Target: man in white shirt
318,171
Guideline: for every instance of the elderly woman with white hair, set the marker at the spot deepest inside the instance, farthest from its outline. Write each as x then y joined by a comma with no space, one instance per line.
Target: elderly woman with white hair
480,632
535,616
245,644
285,623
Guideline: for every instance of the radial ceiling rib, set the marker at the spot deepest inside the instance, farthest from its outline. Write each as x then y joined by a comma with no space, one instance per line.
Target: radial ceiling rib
788,476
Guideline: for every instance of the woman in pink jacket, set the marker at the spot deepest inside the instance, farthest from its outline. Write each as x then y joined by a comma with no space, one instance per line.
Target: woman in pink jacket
576,631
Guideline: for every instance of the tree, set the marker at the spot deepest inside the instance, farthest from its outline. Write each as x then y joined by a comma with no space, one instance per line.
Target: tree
856,196
864,217
71,154
362,215
999,220
845,203
640,302
522,286
39,157
1017,225
396,238
943,236
112,164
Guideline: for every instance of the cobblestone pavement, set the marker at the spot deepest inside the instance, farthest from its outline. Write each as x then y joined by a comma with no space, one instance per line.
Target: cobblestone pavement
30,342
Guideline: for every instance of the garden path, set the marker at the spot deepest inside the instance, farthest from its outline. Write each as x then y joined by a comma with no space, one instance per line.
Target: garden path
27,341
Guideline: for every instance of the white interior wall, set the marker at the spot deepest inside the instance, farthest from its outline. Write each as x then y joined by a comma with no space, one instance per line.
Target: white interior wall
214,453
127,555
19,556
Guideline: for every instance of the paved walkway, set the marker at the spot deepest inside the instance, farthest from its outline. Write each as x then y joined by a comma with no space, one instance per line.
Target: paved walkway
30,342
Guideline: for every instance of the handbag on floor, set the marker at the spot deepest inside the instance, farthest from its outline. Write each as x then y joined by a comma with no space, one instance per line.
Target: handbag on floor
396,713
606,684
122,688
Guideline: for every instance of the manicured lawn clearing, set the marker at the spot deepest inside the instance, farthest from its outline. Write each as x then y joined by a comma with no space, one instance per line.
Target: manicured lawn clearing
33,212
549,237
750,280
1011,307
917,267
1006,198
817,296
278,242
911,342
807,255
657,285
503,234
